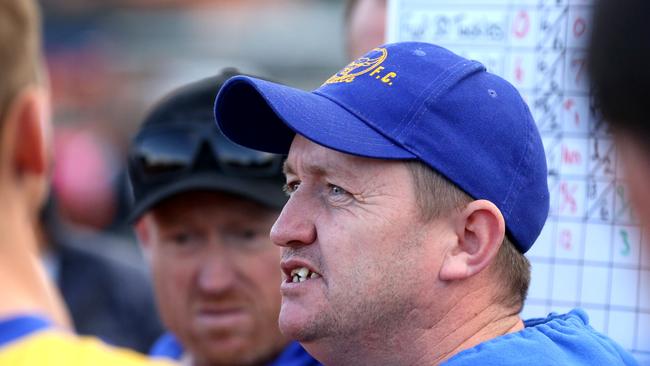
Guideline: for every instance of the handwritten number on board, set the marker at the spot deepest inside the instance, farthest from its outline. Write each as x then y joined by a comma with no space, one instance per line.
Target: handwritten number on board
625,251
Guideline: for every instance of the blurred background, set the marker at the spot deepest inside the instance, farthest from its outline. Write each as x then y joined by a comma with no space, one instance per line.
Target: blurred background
109,61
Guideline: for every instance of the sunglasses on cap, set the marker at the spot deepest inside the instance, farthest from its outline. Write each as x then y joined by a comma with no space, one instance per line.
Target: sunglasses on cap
164,152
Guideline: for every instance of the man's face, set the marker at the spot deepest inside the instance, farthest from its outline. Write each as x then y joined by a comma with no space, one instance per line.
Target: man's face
354,222
216,276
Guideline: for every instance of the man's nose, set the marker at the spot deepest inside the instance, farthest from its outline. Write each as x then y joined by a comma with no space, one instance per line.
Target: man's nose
295,225
217,273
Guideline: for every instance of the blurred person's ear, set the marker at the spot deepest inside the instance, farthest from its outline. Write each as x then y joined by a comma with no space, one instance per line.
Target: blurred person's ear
480,230
26,153
143,231
24,166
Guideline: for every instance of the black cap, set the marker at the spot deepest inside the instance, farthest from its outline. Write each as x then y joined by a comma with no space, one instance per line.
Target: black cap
226,167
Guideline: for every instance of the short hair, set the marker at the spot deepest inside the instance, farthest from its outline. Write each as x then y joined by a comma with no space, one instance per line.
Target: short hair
20,49
436,196
617,63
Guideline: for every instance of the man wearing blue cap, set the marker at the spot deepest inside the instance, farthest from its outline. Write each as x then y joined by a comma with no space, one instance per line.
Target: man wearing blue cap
417,180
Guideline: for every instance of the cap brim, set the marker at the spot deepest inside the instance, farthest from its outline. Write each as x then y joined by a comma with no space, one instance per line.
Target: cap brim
267,192
266,116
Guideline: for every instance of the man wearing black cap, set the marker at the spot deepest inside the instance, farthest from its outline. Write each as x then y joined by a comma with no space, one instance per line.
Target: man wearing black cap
203,209
417,182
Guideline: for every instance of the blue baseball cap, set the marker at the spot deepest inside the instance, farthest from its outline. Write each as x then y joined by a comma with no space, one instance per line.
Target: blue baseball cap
409,100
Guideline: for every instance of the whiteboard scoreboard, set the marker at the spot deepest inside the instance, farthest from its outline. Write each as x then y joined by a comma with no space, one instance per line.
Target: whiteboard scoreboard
592,253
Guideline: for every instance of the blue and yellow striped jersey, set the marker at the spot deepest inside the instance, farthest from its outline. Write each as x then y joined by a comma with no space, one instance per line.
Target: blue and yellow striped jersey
32,340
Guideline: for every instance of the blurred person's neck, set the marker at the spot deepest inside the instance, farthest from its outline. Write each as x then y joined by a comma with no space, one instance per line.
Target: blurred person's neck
22,277
189,360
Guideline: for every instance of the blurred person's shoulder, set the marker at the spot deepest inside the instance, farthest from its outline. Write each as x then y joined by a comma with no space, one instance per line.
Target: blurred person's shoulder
33,340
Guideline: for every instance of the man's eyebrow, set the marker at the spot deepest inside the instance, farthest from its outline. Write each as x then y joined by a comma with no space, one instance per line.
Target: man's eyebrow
286,168
312,169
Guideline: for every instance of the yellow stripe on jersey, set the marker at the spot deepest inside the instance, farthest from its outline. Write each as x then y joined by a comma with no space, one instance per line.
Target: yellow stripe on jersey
53,348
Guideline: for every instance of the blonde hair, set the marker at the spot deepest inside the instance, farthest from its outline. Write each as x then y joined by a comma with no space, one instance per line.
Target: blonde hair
21,61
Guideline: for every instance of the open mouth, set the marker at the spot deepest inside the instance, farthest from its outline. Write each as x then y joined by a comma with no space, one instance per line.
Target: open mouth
302,274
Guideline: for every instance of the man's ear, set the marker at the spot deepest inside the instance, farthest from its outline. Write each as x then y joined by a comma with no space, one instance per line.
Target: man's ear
143,231
480,230
26,149
26,133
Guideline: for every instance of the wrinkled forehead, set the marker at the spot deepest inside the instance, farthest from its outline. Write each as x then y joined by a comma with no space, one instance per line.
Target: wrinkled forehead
307,158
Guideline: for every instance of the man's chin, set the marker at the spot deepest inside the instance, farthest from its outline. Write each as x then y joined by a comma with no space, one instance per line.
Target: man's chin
297,324
223,350
235,351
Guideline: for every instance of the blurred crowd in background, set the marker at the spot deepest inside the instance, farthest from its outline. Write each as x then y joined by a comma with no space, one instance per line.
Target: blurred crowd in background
109,61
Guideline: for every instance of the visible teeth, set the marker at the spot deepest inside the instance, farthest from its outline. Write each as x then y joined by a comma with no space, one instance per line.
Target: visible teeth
302,274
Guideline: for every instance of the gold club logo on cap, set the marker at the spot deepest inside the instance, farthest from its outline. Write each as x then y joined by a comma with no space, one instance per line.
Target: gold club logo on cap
370,63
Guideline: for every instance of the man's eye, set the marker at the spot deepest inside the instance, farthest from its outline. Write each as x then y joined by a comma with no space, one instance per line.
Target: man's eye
290,187
247,234
335,190
182,239
244,238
